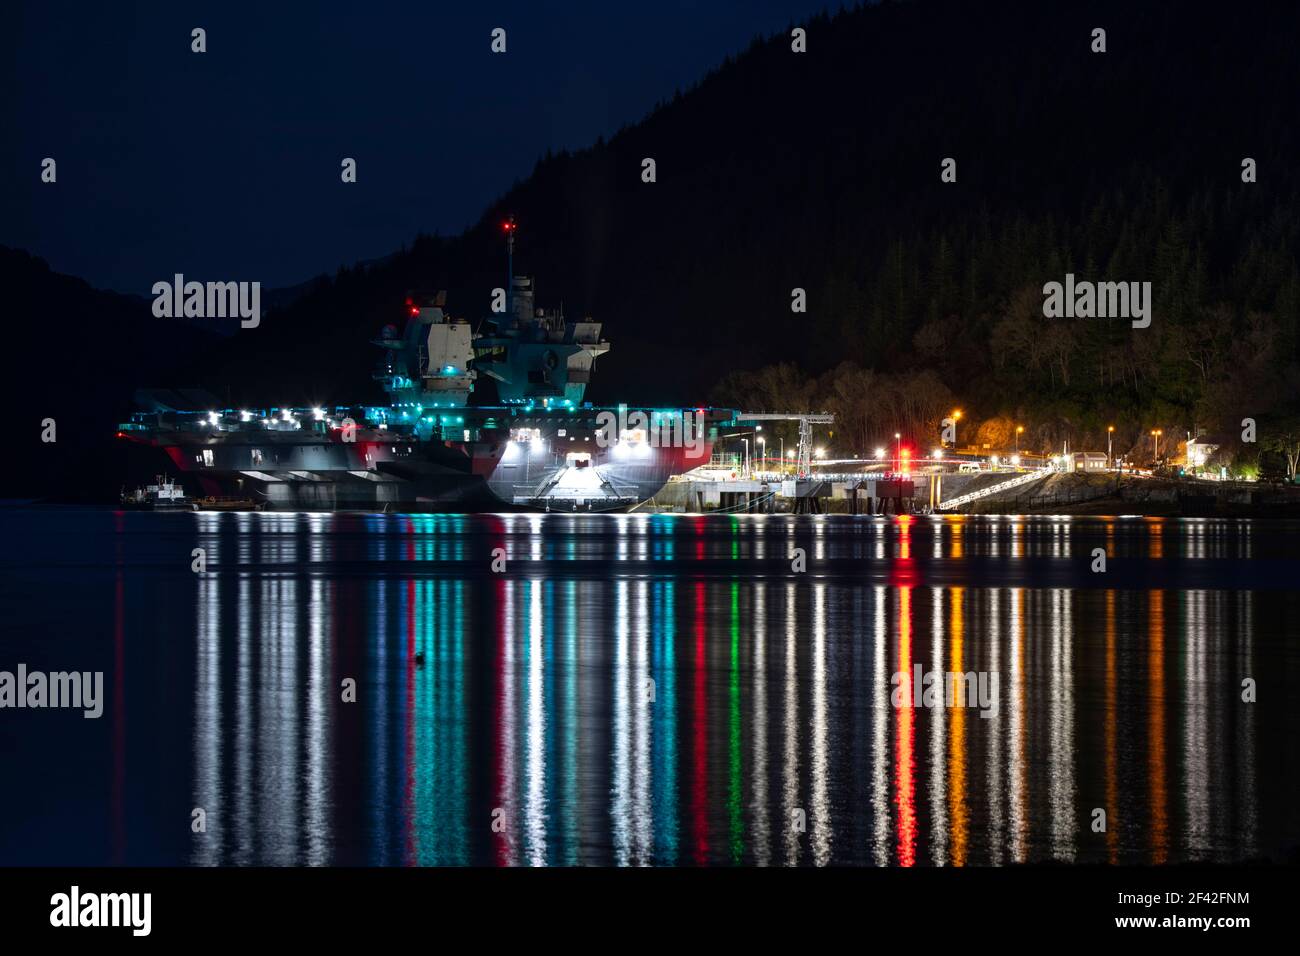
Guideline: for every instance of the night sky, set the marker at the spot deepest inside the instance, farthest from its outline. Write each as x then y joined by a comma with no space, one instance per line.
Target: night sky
226,164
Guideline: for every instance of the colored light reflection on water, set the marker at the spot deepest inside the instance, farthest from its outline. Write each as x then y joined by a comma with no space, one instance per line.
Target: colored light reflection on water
653,690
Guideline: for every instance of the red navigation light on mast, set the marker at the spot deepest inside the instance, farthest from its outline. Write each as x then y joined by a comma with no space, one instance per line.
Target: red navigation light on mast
510,226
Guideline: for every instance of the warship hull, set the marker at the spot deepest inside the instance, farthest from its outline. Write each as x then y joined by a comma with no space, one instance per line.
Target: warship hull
502,460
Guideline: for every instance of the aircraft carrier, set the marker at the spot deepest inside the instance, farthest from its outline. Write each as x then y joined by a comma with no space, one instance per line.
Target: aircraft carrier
428,447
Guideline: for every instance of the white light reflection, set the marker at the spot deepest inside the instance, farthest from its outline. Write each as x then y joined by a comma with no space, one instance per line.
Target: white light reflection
1016,728
207,719
1060,761
790,776
820,762
319,693
881,711
243,728
819,537
535,731
619,805
762,834
642,833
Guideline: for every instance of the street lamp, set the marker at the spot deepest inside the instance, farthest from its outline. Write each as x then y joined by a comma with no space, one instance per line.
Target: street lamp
746,441
956,417
761,460
1110,434
1155,441
1019,429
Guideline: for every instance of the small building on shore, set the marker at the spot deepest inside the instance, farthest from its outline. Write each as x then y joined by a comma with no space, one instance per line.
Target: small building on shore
1087,461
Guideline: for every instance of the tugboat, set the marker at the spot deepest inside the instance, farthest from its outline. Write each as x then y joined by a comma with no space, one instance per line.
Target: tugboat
163,495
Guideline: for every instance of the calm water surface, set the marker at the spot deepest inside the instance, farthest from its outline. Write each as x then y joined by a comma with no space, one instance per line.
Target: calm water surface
650,690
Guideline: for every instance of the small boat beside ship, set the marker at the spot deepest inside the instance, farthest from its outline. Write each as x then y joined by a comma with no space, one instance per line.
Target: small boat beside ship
224,503
164,494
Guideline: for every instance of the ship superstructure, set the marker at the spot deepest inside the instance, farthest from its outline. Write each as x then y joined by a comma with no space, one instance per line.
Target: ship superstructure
428,366
536,357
